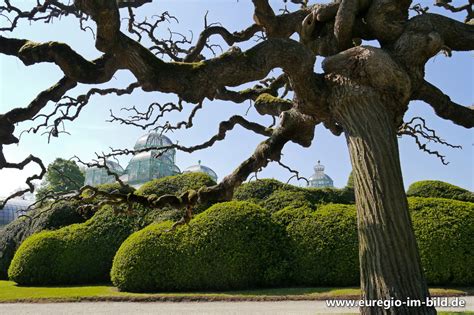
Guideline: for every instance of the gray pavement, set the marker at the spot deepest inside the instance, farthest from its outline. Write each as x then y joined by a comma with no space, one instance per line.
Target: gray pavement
208,308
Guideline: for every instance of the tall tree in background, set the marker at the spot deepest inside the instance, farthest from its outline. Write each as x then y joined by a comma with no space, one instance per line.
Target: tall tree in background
61,176
363,93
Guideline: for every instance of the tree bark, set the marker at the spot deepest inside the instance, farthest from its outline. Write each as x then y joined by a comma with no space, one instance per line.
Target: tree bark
389,260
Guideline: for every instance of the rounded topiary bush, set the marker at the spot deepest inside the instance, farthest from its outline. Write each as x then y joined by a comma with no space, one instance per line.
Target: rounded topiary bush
47,218
325,249
291,214
258,190
76,254
331,195
229,246
284,198
176,185
439,189
444,231
110,188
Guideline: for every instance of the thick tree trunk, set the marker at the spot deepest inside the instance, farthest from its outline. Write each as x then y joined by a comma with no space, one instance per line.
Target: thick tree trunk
389,259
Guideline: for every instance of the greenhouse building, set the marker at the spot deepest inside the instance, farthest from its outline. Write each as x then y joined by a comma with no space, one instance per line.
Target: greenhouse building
319,179
155,160
97,176
199,168
12,210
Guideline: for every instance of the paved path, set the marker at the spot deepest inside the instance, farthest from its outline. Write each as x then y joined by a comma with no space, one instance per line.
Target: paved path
207,308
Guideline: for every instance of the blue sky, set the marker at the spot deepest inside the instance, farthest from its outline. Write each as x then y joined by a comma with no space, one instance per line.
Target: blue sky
90,133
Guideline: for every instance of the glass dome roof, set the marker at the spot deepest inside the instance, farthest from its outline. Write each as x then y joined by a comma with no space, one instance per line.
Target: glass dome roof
155,163
319,179
152,140
199,168
97,175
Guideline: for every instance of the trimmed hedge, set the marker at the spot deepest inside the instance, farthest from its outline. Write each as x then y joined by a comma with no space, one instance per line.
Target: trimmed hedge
90,247
76,254
325,247
291,214
284,198
325,250
175,185
444,230
439,189
12,235
109,188
232,245
276,195
258,190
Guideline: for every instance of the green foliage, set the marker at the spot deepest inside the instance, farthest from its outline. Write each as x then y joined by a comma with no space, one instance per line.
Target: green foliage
444,230
231,245
12,235
331,195
258,190
61,176
324,247
176,185
291,214
285,198
277,195
439,189
113,187
79,253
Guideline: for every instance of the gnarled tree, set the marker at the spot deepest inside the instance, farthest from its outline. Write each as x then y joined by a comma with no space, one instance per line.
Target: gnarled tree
363,93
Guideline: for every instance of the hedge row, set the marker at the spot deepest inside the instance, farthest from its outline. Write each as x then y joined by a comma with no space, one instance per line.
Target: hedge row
232,245
223,249
324,247
240,245
445,233
274,195
83,253
76,254
47,217
439,189
13,234
174,185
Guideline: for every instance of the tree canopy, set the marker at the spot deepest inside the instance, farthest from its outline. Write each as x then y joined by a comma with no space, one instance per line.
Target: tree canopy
61,176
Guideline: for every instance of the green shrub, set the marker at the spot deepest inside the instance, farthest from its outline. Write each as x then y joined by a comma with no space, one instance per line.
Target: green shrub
12,235
291,214
258,190
109,188
76,254
176,185
261,190
444,230
325,249
284,198
231,245
439,189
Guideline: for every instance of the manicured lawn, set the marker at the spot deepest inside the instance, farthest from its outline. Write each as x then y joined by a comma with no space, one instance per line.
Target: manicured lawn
10,292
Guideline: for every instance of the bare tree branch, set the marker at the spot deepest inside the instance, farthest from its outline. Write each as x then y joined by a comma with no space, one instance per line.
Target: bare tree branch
416,128
443,106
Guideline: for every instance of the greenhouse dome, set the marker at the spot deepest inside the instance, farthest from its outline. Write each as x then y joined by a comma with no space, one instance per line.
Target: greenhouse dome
201,169
155,163
98,176
152,140
319,179
12,210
